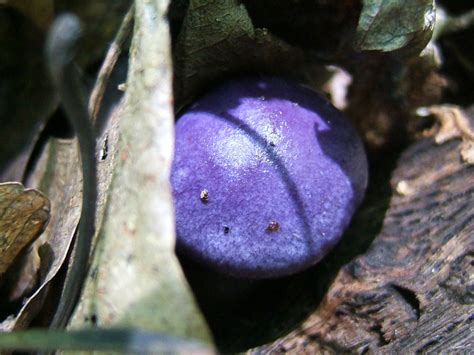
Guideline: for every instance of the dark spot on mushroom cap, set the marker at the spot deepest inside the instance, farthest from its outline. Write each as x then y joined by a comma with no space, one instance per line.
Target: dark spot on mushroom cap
273,227
310,181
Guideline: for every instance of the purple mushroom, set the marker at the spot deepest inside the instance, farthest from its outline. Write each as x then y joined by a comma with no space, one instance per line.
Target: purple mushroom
266,176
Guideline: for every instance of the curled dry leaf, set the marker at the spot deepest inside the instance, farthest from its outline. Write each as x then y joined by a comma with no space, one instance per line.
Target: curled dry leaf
455,123
135,279
23,216
58,176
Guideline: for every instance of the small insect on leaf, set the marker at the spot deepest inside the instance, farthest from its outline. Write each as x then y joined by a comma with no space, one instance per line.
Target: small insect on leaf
23,216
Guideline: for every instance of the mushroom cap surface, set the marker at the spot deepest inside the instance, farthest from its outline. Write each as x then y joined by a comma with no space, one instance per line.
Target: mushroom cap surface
266,177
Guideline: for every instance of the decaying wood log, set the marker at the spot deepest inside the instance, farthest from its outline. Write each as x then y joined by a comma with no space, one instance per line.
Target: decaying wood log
413,290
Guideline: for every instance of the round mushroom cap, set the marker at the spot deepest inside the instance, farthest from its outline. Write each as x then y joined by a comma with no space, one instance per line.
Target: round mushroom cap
266,177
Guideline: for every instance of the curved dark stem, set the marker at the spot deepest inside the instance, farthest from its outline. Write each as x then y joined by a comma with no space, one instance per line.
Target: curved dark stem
61,46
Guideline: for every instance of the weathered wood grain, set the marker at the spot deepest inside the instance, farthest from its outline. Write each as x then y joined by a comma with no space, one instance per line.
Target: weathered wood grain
413,290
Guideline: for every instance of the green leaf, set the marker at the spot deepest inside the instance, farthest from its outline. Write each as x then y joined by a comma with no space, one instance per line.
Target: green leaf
218,39
388,25
116,340
211,42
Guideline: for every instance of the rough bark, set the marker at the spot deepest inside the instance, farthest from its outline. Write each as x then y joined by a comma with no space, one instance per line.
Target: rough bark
413,290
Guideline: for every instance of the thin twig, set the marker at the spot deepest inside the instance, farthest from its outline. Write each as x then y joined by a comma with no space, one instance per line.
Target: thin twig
114,52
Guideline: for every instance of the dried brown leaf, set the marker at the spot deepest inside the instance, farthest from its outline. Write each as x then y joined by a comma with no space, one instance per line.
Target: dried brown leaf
135,278
23,216
455,123
58,176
